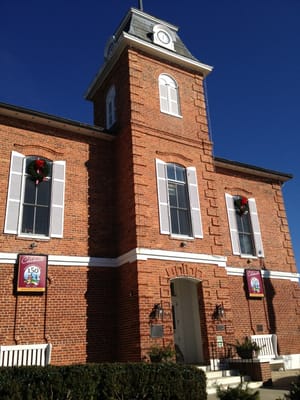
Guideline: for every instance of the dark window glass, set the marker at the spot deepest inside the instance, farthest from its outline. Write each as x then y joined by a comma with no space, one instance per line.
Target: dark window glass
245,232
36,203
171,171
179,200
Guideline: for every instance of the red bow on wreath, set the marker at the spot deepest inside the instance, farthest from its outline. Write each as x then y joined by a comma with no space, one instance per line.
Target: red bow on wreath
241,204
38,169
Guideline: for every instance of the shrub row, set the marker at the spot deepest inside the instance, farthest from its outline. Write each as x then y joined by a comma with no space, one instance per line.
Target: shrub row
116,381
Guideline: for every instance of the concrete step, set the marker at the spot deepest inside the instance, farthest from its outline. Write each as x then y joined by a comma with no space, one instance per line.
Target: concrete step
227,378
224,382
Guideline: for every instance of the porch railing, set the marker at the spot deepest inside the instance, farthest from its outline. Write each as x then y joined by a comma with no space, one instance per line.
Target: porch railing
219,355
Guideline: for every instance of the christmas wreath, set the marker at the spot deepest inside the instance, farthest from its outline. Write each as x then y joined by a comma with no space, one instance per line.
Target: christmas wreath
38,169
241,205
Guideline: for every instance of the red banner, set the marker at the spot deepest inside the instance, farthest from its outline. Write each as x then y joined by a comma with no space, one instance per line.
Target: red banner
32,273
255,283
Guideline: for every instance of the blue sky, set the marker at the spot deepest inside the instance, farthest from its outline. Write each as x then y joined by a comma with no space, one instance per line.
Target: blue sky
51,51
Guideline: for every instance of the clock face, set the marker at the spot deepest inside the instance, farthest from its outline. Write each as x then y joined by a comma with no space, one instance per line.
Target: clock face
163,37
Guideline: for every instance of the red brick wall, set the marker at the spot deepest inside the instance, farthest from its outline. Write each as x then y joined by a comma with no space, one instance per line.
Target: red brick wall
271,212
77,314
89,181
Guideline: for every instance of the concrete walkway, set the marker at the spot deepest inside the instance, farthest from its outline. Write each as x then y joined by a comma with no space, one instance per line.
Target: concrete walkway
265,394
281,384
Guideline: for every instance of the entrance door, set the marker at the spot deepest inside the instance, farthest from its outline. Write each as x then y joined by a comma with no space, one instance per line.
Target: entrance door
186,320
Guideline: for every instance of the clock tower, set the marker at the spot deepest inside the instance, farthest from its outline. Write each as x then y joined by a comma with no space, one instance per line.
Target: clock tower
149,95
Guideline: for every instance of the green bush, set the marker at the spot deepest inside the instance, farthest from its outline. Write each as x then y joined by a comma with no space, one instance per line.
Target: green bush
237,393
114,381
294,390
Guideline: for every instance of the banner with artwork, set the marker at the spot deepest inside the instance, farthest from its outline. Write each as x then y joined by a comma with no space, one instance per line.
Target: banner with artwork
32,273
254,283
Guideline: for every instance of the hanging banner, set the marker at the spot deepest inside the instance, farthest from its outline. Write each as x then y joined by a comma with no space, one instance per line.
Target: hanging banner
32,273
254,283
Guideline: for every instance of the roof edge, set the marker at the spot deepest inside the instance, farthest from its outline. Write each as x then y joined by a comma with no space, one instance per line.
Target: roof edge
252,169
27,114
129,40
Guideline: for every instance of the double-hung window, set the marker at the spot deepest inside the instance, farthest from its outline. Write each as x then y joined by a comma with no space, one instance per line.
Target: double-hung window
179,208
244,226
35,202
168,95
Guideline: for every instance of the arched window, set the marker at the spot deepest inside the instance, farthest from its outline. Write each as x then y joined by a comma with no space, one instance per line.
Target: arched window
35,202
168,94
111,107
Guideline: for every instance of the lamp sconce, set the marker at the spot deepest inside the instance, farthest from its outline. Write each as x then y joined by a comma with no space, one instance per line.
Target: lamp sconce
157,312
219,312
32,245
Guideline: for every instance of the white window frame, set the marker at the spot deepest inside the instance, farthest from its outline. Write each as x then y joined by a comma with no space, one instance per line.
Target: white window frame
14,205
163,201
110,107
169,95
234,235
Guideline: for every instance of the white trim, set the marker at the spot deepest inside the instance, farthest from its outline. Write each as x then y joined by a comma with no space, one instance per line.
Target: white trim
292,276
204,68
129,257
169,55
164,255
144,254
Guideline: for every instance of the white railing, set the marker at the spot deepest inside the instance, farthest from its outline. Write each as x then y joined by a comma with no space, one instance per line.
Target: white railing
25,355
268,349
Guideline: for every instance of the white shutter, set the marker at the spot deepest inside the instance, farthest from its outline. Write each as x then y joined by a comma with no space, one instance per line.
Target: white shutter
163,94
194,202
14,193
174,106
163,198
256,228
231,212
57,199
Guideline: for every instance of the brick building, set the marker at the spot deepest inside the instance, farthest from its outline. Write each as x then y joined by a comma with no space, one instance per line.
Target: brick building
149,238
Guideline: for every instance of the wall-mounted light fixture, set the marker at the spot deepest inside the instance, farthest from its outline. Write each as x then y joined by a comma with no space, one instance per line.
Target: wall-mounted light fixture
219,312
157,312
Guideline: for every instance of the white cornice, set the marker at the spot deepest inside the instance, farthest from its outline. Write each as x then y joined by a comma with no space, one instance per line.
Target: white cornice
168,54
133,255
293,277
144,254
129,40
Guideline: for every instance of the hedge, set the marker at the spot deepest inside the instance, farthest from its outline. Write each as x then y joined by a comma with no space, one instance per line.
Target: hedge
113,381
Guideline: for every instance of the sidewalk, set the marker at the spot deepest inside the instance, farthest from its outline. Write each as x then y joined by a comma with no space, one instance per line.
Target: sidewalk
265,394
281,384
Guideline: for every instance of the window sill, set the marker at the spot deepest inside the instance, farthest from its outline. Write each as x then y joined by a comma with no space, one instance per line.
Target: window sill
33,237
172,115
181,237
249,256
